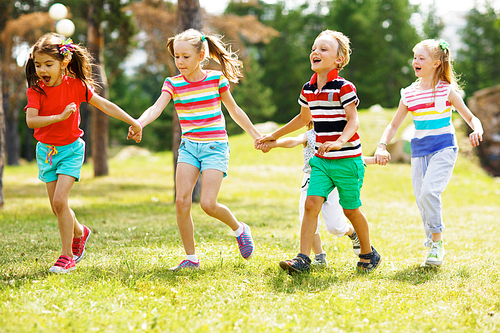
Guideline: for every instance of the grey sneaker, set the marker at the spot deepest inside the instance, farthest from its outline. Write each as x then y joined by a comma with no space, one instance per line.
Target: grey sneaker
436,254
356,246
320,260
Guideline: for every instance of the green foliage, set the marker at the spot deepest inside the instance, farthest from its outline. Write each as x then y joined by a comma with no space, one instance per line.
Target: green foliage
478,61
433,25
123,283
135,94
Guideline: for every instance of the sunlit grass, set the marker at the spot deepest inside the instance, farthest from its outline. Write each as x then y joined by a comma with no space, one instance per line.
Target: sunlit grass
123,284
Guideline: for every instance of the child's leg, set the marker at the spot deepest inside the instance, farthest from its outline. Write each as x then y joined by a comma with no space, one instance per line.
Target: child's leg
430,176
185,179
210,185
360,224
333,215
59,195
316,247
310,223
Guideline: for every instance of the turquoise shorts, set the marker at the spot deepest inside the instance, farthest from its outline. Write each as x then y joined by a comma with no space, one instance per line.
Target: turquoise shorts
345,174
59,160
205,155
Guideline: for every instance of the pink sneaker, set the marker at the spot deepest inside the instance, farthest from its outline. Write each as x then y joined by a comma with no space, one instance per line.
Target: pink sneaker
63,265
186,264
79,244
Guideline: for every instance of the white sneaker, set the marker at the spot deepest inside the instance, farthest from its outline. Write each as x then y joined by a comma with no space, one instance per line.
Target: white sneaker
436,254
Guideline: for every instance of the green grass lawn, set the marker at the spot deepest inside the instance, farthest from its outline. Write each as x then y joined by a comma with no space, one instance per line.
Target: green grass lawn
123,284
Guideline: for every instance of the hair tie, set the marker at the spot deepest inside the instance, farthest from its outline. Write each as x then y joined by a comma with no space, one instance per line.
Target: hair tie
203,38
67,47
443,44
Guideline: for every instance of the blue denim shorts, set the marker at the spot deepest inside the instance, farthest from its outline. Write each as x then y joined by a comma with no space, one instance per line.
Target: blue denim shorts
57,160
205,155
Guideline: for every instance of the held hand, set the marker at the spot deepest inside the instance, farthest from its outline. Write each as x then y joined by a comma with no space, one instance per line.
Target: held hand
382,156
264,138
475,138
68,111
329,145
137,137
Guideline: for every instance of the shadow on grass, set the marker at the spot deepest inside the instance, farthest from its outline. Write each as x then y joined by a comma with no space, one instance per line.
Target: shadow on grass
418,274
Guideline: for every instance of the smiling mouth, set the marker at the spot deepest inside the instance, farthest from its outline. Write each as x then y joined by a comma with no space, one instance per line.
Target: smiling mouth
46,79
315,61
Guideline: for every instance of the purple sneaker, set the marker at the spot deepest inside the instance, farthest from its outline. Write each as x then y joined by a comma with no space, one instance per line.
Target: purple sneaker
186,264
79,244
245,242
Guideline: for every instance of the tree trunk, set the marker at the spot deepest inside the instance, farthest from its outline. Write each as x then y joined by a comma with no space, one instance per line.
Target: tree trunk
2,140
188,16
100,120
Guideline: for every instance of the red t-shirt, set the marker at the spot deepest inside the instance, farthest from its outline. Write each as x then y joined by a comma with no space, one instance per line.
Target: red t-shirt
57,98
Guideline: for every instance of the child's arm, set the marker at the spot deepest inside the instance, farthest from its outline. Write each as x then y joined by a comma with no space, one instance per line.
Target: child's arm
33,120
457,101
382,156
151,114
114,111
289,142
349,130
299,121
369,160
239,116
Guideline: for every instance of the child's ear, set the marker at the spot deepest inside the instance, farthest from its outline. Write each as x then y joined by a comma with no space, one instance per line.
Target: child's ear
437,64
65,63
339,60
202,55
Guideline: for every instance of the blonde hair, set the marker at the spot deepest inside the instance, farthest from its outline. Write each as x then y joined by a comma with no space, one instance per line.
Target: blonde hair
79,60
217,50
439,50
343,42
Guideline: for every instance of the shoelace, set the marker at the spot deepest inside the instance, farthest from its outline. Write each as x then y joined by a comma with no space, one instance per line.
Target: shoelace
51,152
434,249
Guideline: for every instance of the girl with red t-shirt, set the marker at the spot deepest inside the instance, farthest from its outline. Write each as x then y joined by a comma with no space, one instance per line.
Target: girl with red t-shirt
59,80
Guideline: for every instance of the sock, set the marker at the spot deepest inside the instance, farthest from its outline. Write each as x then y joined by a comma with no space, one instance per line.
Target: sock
353,235
239,231
193,258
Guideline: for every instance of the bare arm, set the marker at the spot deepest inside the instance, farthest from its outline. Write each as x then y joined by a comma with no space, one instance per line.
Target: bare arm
33,120
476,136
114,111
289,142
381,154
299,121
239,116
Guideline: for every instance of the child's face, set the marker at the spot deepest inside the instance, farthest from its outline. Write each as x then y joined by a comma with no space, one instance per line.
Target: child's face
186,59
423,64
48,69
324,54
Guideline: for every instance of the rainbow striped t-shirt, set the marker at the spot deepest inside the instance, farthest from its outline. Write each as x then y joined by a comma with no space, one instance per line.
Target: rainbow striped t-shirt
431,111
198,105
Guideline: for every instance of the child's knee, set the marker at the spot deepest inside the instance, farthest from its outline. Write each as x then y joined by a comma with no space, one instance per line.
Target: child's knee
209,206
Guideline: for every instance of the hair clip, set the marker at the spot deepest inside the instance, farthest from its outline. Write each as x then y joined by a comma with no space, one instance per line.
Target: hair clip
203,38
443,44
67,47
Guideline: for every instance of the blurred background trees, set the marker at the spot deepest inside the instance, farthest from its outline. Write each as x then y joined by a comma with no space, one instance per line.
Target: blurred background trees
273,40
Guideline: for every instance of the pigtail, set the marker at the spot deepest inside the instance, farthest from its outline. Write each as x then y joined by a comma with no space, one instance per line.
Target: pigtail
80,65
231,66
31,76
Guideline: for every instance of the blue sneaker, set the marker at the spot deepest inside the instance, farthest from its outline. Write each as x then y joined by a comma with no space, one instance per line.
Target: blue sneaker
300,264
368,267
245,242
186,264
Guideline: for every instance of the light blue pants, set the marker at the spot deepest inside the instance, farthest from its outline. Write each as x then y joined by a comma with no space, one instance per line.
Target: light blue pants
430,175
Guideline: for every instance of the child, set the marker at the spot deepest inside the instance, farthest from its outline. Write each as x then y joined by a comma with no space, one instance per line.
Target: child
197,96
58,74
331,103
331,210
434,147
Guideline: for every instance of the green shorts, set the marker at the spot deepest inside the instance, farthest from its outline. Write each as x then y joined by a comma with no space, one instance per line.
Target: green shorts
56,160
346,174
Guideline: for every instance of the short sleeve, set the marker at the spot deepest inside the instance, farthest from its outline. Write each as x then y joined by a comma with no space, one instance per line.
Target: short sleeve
168,87
223,84
348,94
403,96
302,98
33,99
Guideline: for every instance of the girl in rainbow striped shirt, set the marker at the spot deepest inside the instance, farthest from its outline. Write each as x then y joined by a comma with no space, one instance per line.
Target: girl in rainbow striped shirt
197,96
434,147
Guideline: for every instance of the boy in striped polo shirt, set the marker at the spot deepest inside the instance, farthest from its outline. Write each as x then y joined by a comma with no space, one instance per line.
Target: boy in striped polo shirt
331,103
